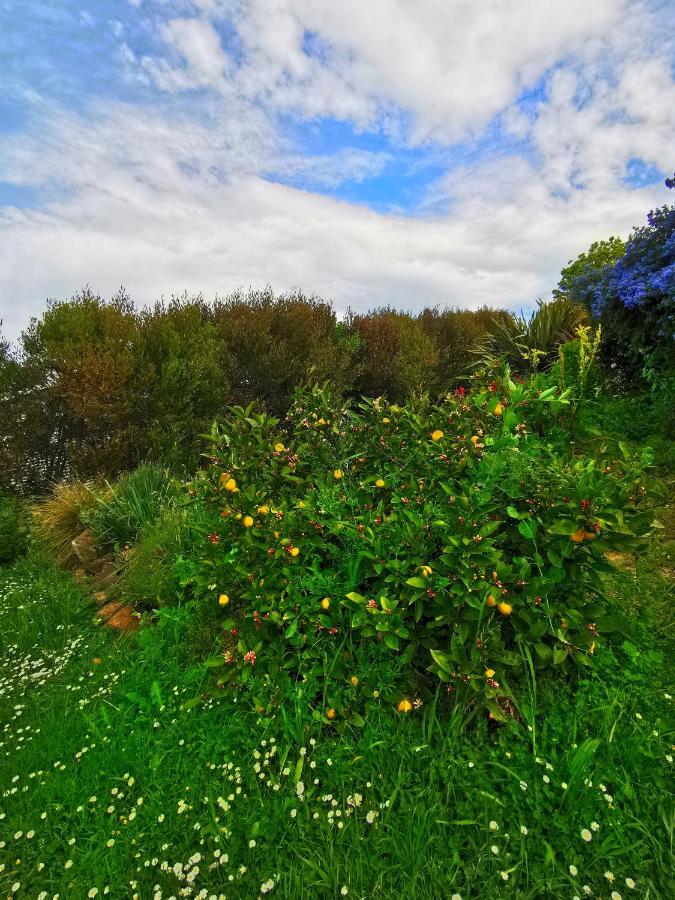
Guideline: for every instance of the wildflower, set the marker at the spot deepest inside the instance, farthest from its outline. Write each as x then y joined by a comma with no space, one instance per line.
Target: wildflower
344,890
546,779
586,835
595,826
370,816
294,551
379,483
337,474
498,410
330,713
251,844
495,849
630,883
505,875
615,895
223,600
250,657
404,706
266,886
436,435
523,829
279,447
354,681
489,673
573,871
456,897
493,825
609,876
587,889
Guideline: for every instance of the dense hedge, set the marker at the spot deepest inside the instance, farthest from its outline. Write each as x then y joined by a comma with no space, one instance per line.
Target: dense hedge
98,386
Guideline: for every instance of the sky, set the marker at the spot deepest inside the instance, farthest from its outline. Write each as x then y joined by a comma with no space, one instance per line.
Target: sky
384,152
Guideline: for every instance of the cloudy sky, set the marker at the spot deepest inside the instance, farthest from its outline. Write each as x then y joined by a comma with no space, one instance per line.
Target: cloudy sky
371,151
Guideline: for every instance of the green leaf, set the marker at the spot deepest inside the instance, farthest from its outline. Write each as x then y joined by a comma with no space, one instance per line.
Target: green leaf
417,582
528,529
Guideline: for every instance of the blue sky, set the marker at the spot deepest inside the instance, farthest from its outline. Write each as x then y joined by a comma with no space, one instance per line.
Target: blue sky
397,153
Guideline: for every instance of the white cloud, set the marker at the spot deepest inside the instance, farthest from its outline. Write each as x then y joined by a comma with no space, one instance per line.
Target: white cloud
172,196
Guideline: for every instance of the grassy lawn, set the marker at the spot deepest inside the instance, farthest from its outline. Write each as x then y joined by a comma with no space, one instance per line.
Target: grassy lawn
110,787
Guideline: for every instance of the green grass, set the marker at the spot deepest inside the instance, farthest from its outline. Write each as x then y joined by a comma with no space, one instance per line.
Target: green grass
101,766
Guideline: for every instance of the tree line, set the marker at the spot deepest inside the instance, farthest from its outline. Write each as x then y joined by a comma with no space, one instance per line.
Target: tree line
95,386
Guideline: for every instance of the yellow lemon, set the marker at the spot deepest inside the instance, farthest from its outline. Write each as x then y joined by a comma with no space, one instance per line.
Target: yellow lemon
295,551
578,536
386,421
224,477
505,609
404,706
231,486
263,510
426,571
279,447
248,521
379,483
491,600
276,535
223,600
337,474
238,517
499,409
474,439
325,603
590,535
489,673
436,435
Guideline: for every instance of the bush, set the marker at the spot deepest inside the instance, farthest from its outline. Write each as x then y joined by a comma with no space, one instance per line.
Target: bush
453,536
12,529
528,344
148,575
135,502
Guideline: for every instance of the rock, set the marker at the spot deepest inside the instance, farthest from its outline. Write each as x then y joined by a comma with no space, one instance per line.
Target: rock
85,549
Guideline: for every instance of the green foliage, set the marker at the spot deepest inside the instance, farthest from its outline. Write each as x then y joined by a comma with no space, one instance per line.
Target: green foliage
456,536
13,529
578,367
125,509
528,344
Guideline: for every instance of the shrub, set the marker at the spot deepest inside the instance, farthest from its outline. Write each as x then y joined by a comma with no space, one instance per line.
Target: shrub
12,529
59,518
148,576
121,513
451,535
527,344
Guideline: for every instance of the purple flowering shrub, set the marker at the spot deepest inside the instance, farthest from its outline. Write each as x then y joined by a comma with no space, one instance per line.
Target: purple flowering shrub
633,297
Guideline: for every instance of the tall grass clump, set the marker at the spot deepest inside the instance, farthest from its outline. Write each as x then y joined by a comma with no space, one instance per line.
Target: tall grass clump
128,507
59,518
